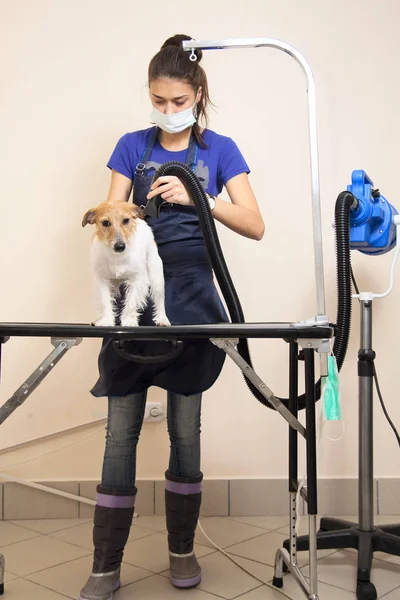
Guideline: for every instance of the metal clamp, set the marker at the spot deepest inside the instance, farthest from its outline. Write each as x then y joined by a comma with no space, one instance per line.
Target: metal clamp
317,321
320,346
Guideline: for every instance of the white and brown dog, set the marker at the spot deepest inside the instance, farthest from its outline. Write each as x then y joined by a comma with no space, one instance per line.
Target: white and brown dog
124,252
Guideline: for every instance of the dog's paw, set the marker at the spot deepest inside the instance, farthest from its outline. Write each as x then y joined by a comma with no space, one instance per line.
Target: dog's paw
104,321
129,321
162,321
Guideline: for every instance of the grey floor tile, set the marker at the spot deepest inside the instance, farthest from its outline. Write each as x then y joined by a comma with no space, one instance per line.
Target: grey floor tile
222,577
388,558
20,589
340,569
225,532
151,553
10,533
70,577
61,561
263,549
48,525
159,588
155,523
30,556
9,576
262,573
268,523
290,587
262,592
395,595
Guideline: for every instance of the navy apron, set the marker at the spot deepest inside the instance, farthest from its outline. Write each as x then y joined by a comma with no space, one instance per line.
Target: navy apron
190,299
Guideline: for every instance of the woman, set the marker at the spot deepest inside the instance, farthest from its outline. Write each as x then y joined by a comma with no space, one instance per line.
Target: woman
179,96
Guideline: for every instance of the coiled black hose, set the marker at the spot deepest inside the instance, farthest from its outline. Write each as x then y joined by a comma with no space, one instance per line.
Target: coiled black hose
206,220
344,203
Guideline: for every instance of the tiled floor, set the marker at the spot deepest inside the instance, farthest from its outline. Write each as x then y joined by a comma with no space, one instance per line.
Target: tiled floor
51,559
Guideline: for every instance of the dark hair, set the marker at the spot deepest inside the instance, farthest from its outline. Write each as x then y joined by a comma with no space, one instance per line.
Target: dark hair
173,62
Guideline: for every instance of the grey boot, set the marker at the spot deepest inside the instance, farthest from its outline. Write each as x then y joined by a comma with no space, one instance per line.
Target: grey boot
112,521
182,504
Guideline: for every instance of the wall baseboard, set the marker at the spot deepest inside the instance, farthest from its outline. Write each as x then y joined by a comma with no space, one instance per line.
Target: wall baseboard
221,497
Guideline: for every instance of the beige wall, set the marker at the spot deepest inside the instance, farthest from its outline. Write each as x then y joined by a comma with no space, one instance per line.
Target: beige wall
73,79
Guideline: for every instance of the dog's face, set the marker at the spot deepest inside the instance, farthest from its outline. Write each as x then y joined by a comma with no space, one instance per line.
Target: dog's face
115,221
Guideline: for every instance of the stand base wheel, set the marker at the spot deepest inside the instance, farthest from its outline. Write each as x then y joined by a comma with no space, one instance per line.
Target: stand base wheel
366,591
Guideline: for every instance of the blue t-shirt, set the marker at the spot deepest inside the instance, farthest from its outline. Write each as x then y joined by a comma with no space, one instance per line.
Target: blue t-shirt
215,165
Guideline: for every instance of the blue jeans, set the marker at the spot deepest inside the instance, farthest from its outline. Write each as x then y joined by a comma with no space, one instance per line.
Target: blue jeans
125,419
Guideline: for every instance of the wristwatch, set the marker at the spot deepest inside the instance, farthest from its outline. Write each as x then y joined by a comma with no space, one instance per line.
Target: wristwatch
211,201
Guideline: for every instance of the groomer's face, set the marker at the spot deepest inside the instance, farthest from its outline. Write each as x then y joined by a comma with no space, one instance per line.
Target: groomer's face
170,96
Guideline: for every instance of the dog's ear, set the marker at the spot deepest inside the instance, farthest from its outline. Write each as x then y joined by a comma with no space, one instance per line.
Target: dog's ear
89,217
137,212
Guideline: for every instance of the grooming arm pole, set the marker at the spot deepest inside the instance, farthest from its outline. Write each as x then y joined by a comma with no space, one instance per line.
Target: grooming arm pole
313,138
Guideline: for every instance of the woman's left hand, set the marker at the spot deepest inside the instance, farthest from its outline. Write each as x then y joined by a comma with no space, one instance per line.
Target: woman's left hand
171,189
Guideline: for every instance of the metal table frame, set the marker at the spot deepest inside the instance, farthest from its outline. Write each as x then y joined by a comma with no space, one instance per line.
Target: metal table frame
311,338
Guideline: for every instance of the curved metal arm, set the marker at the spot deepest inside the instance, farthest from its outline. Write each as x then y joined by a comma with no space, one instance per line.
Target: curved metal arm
190,45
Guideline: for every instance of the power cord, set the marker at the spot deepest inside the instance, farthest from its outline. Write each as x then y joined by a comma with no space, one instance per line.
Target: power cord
375,375
396,433
353,279
240,566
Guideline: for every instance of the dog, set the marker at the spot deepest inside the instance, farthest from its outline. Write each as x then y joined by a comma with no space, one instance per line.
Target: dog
124,253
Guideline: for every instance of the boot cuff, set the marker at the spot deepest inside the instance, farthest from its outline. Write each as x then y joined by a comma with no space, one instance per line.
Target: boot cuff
115,497
183,485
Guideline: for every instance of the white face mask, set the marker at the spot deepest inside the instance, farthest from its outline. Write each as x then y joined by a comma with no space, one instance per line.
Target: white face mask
176,122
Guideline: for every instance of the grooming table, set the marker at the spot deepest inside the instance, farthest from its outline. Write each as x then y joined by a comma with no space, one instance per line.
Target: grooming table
311,337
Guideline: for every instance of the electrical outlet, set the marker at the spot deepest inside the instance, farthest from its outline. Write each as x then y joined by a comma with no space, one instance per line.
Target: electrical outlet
154,412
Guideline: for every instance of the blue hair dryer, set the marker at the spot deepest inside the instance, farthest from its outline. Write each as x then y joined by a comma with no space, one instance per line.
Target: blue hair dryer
372,230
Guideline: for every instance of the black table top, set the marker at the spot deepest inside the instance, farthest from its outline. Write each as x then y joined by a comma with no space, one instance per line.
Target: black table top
288,331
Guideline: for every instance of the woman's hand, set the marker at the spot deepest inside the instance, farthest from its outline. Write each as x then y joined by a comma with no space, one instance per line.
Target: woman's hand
171,189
